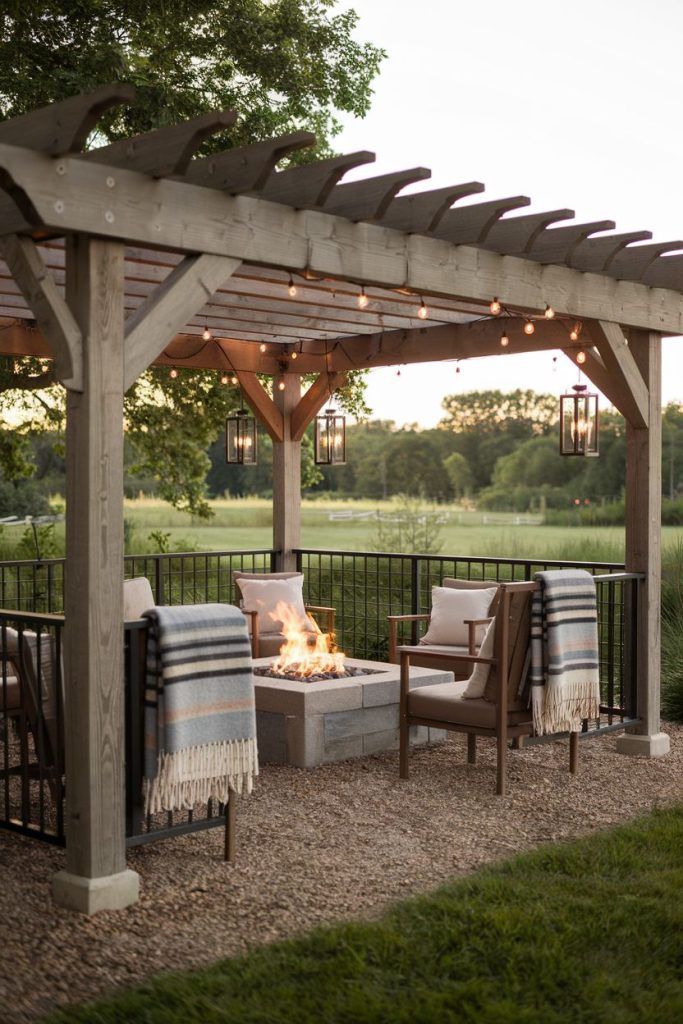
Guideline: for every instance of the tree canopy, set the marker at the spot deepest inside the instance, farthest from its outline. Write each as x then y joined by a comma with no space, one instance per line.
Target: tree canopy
283,65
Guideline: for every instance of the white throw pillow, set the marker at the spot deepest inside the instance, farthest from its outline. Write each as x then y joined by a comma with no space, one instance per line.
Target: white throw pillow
476,684
450,608
264,596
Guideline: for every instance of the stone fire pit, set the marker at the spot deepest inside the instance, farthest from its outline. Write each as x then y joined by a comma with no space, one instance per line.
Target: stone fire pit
308,723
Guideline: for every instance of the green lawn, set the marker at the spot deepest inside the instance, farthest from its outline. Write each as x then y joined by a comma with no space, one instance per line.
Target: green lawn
247,524
586,932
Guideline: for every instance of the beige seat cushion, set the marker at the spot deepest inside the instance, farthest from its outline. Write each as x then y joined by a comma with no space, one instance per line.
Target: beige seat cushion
444,703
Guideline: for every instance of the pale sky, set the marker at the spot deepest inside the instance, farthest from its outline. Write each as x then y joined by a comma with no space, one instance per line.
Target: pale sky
574,104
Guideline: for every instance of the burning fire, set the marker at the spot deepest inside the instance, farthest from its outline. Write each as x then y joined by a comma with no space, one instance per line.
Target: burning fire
305,654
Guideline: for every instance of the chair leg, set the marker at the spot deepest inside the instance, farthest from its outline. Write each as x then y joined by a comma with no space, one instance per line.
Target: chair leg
403,729
517,742
501,764
573,752
471,748
230,814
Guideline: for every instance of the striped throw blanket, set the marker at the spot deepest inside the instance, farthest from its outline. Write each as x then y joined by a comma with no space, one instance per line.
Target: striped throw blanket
200,722
565,680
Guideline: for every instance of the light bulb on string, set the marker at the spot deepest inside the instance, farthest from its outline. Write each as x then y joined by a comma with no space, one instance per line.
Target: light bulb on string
206,334
504,340
224,379
549,312
581,357
529,327
494,307
363,300
173,373
281,384
422,312
295,355
575,332
291,288
262,347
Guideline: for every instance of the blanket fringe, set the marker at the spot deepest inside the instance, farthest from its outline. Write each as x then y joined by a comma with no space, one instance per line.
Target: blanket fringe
196,775
564,710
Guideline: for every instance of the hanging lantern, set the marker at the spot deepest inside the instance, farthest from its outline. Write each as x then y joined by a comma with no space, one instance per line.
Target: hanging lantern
579,422
240,439
330,438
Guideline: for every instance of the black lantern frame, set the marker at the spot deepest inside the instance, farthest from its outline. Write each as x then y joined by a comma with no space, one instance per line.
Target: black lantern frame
579,422
330,438
240,439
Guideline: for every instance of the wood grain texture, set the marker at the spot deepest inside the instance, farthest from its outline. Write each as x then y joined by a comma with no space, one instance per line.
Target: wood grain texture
370,198
312,184
64,127
422,211
643,526
264,408
312,401
287,481
49,308
628,387
158,319
246,168
93,634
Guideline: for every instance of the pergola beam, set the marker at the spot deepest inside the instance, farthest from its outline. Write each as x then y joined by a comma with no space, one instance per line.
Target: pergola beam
311,403
75,195
49,308
160,317
264,408
628,388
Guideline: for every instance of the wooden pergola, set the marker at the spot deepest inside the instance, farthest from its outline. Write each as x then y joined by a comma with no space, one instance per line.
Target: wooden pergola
120,257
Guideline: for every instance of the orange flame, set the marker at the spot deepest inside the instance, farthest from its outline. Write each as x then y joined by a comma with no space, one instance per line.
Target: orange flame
303,653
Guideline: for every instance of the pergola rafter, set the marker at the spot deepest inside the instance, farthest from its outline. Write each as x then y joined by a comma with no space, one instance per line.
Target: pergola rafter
120,257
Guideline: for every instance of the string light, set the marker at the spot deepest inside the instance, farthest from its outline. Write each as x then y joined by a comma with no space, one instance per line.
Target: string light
495,307
581,357
575,332
262,347
224,379
362,298
422,312
206,334
173,373
291,288
549,313
281,384
504,340
295,355
529,327
233,379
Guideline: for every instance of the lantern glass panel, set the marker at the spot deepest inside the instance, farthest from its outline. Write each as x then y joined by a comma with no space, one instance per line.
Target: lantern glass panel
330,439
240,440
579,424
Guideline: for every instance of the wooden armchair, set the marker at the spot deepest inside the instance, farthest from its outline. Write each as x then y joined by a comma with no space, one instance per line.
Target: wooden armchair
467,631
267,642
500,712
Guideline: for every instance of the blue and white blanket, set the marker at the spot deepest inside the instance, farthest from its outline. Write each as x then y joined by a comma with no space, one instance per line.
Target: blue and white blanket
565,676
200,721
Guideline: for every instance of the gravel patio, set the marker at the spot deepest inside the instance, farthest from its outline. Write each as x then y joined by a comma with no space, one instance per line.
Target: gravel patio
314,846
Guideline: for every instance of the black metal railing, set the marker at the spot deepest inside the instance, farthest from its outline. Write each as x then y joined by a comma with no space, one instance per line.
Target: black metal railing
365,587
194,577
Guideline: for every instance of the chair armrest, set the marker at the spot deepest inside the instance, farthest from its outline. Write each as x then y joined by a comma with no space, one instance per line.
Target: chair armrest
254,631
393,621
472,632
329,613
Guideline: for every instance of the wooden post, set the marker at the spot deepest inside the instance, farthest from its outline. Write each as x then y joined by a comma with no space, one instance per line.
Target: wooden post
95,877
643,546
287,480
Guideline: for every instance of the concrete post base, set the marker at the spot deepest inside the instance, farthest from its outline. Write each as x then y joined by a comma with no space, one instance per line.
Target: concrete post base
655,745
90,895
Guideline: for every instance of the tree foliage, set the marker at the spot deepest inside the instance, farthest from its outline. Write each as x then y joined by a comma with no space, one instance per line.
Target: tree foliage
283,65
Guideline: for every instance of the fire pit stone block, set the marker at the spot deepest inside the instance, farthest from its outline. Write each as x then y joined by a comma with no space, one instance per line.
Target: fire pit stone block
310,723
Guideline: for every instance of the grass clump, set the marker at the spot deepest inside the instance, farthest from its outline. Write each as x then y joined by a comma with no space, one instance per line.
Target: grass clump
587,932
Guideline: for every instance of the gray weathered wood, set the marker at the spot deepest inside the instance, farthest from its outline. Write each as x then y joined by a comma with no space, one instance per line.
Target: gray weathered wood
643,526
467,225
629,391
632,262
192,219
312,401
65,126
264,408
311,184
556,245
666,272
169,307
93,634
516,235
369,198
245,168
596,254
287,480
422,211
48,307
166,150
